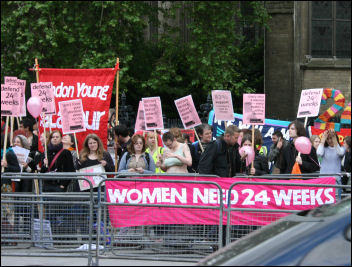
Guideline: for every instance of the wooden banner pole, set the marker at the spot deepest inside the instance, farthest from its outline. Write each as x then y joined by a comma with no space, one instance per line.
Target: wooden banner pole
11,132
156,142
117,108
5,141
200,143
74,134
253,146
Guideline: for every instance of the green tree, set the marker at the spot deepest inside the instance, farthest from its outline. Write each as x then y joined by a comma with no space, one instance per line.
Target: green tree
80,34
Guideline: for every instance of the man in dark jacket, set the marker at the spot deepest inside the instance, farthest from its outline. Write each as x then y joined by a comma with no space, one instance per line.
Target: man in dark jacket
221,156
123,140
279,143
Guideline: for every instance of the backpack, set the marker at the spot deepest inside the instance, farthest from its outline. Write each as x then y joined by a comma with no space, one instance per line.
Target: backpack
147,157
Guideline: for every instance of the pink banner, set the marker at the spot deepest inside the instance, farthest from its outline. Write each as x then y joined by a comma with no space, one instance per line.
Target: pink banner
45,91
187,111
242,196
222,102
309,103
72,116
254,109
153,114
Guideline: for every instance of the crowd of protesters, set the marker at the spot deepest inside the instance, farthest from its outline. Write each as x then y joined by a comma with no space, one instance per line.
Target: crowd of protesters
149,152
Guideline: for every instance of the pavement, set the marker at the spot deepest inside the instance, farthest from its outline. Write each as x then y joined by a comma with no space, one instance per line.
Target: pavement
68,261
31,256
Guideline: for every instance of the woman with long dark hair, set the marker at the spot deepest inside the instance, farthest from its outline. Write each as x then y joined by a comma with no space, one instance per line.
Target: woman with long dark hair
307,163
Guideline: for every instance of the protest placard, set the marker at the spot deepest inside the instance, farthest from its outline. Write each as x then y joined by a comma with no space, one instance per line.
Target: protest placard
22,87
254,109
10,100
309,103
187,112
140,122
72,116
222,103
21,154
95,180
153,114
45,91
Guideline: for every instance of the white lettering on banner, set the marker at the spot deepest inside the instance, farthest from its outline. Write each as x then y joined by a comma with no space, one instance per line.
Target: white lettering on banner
162,195
63,91
304,194
95,124
211,196
83,90
295,197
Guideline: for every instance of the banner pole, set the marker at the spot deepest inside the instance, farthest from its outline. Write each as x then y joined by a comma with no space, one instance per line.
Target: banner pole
117,107
253,145
156,142
5,141
74,134
11,132
37,76
200,143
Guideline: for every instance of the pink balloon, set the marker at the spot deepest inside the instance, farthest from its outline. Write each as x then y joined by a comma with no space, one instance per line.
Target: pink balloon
303,145
34,106
250,154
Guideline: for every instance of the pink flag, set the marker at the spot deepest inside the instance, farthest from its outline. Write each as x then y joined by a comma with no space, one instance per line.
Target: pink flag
222,102
187,112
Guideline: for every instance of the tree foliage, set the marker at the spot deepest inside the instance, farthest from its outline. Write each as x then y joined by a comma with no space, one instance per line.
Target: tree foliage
80,34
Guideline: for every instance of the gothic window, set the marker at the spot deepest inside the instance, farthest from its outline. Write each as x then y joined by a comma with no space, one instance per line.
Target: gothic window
331,29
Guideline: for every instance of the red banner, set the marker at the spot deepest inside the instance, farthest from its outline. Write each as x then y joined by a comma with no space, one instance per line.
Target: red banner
93,86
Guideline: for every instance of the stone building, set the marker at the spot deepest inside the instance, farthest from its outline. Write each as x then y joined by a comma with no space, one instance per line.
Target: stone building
308,46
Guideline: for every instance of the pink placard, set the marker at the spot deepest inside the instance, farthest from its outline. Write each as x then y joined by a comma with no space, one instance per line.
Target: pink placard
10,100
187,112
22,87
309,103
11,80
249,196
45,91
254,109
222,103
72,116
140,122
153,114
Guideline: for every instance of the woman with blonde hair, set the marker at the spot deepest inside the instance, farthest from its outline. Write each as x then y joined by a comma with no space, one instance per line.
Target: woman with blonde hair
93,153
153,149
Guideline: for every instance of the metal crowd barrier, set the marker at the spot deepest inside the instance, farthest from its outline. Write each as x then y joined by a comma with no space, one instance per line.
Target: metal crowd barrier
47,223
161,242
234,232
77,224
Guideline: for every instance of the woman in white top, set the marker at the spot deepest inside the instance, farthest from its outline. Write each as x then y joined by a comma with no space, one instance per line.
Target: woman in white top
176,157
331,153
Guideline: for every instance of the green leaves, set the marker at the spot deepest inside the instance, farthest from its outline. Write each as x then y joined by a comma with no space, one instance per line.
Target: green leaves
167,58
